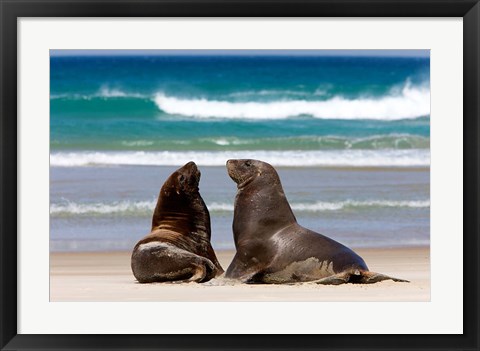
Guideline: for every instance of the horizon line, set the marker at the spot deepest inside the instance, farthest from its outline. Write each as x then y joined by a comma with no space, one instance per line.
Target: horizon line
408,53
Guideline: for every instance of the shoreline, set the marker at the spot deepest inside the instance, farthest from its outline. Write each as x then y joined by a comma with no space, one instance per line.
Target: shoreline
106,276
175,166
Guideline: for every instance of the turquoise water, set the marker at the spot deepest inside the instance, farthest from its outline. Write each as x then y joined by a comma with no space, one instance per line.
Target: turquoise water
350,136
218,104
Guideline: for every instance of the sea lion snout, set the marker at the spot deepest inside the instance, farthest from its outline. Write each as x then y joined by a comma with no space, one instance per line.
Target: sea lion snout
240,170
189,176
231,169
190,167
243,172
231,164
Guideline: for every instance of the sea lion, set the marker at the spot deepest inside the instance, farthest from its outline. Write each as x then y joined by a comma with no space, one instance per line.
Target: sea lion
178,247
273,248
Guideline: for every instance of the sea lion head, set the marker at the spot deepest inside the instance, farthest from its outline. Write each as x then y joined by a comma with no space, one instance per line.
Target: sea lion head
183,180
180,204
243,172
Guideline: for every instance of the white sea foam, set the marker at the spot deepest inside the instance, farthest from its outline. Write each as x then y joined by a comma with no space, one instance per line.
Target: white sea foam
327,142
137,143
335,206
220,207
323,206
133,207
226,141
410,102
107,92
292,158
254,93
146,207
221,141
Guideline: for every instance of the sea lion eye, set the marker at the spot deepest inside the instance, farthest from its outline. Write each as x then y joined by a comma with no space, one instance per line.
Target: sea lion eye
182,178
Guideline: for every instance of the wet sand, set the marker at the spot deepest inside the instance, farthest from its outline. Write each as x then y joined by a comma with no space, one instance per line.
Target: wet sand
106,276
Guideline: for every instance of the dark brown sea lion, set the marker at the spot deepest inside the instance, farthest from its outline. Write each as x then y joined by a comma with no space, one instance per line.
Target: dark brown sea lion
272,247
178,247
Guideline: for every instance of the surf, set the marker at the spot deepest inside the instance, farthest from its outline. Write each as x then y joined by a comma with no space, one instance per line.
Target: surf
144,208
410,102
287,158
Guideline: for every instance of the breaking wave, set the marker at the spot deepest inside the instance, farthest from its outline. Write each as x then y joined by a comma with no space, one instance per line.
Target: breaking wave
145,208
406,103
410,102
292,158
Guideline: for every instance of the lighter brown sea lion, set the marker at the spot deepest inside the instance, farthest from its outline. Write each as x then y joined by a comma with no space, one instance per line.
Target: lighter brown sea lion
178,247
273,248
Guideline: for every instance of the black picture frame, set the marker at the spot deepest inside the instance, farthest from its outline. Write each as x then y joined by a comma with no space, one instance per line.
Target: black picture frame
12,10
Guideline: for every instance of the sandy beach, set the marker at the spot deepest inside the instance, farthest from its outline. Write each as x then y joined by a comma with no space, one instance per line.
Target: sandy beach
106,276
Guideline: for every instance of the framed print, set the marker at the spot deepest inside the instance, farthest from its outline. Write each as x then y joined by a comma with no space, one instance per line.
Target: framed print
193,175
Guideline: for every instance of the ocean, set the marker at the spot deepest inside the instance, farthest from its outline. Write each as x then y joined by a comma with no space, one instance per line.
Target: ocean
349,136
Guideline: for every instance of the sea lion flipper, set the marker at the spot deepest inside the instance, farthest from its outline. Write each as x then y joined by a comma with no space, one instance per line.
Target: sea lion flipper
335,279
202,270
159,262
206,270
365,277
236,270
373,277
